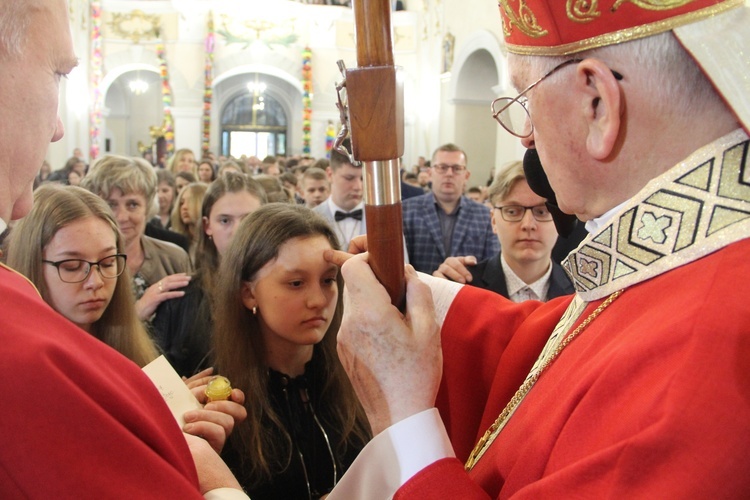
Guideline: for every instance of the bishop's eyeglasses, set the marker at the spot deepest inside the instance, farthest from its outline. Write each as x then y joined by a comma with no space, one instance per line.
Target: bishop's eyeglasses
78,270
513,114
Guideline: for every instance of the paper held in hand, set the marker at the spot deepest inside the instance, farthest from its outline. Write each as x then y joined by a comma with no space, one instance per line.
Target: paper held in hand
172,388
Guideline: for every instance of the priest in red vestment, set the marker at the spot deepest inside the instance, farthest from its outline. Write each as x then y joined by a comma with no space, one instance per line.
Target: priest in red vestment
78,420
638,386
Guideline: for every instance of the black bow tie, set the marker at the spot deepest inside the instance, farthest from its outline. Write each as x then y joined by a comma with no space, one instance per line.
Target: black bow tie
354,214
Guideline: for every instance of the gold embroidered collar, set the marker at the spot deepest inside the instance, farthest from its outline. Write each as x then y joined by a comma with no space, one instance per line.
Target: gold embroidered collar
698,207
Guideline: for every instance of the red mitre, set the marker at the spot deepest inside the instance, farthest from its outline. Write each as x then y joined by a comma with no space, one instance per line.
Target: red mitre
561,27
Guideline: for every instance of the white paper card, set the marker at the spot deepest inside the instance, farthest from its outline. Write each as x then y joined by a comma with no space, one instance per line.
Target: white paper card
172,388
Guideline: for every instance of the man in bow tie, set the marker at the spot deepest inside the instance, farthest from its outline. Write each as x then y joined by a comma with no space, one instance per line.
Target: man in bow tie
343,208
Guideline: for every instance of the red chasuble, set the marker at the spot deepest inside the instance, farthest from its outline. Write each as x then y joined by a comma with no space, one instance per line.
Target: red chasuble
79,420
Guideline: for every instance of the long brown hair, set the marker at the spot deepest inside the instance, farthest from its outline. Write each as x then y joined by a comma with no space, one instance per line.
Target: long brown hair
55,207
197,190
239,348
206,255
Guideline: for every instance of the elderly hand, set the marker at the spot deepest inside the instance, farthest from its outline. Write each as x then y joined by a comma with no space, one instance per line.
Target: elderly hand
393,361
164,289
455,269
358,244
216,421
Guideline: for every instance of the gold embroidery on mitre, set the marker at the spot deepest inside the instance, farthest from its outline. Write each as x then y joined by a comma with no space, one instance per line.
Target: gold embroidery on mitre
624,35
582,11
525,20
653,4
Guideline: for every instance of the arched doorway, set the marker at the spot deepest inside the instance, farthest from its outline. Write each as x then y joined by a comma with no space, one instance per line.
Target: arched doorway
132,105
253,123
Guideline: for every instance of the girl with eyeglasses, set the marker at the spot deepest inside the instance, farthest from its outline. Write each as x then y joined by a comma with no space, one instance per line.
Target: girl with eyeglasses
70,248
276,316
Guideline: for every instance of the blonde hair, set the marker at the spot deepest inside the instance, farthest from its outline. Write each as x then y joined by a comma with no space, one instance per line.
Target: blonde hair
197,192
129,174
507,177
56,206
175,160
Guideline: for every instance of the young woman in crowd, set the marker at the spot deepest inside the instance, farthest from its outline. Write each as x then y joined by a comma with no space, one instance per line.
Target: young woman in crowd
186,213
69,246
183,326
159,269
276,316
182,179
166,193
206,171
183,161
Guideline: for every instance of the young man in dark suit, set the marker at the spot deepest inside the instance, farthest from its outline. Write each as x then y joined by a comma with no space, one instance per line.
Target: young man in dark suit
523,269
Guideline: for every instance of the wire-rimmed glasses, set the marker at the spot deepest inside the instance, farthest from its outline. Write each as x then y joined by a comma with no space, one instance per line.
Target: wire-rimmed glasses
443,168
516,213
78,270
511,112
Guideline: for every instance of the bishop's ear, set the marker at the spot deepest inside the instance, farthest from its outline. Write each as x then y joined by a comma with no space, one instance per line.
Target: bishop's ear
603,105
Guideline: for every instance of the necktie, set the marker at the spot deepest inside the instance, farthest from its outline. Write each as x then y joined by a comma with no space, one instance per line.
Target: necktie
354,214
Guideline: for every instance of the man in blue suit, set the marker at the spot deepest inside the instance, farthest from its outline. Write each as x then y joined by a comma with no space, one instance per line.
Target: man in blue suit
444,222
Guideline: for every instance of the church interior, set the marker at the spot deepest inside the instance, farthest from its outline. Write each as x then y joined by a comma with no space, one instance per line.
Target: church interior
258,78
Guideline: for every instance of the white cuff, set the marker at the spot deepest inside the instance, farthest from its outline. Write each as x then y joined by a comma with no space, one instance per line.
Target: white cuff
226,494
443,293
394,456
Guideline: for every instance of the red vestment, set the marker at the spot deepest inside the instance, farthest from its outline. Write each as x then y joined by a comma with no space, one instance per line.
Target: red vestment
78,419
652,399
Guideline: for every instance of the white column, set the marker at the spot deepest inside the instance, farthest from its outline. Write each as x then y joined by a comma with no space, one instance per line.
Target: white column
188,128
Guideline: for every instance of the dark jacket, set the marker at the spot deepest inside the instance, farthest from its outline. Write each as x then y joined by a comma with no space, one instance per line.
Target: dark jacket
489,275
182,330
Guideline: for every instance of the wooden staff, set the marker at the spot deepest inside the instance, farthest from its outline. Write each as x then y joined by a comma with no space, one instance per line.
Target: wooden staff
376,123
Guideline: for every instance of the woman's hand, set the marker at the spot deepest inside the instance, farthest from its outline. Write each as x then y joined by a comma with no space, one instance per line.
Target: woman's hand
217,419
164,289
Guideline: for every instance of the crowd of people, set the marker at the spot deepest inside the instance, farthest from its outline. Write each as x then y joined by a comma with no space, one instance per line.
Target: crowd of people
505,375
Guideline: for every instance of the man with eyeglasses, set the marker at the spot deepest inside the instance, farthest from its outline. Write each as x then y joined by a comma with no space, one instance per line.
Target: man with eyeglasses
444,222
638,385
523,269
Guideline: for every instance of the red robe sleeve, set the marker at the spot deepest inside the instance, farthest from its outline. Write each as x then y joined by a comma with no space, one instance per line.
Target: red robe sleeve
478,350
78,419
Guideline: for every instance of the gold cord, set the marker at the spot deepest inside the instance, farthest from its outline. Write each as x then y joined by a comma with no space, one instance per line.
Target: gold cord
494,430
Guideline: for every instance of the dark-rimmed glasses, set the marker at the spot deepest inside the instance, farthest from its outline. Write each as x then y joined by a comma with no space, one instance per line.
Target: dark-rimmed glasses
512,113
77,270
516,213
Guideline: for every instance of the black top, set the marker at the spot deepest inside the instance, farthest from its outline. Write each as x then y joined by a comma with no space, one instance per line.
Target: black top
155,230
310,472
183,329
